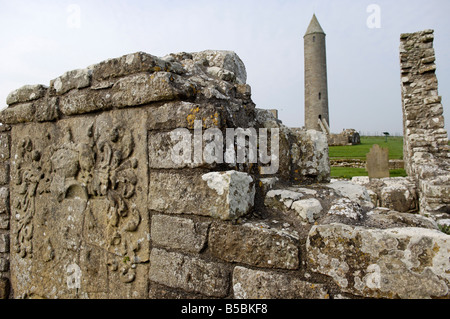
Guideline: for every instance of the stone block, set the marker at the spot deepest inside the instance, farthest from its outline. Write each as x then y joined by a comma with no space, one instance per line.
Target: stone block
84,183
26,93
254,245
399,197
75,79
165,151
4,146
4,264
128,64
346,208
4,243
356,193
385,218
85,101
4,200
309,156
223,195
382,263
4,222
18,113
181,114
308,209
144,88
179,233
258,284
47,109
4,288
220,62
188,273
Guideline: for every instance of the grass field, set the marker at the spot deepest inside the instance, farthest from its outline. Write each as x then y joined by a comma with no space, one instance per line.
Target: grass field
395,145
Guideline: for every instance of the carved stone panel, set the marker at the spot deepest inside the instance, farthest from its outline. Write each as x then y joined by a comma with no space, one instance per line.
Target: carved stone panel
79,220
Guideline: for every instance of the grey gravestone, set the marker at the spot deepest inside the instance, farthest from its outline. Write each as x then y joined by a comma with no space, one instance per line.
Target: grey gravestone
378,162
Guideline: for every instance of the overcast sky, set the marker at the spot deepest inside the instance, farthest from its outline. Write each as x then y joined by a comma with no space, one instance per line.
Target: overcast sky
40,40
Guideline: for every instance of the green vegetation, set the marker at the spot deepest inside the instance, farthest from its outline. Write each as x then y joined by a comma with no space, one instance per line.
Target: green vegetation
395,145
347,172
444,229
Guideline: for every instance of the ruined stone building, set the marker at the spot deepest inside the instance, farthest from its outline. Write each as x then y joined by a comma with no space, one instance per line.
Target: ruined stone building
95,203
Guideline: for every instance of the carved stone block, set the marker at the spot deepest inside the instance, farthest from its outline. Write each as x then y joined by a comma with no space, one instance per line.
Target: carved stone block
79,225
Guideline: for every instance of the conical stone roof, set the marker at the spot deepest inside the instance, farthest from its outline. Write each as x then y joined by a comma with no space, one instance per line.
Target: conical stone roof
314,26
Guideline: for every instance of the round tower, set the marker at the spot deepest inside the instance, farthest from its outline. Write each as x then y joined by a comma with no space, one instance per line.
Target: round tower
316,87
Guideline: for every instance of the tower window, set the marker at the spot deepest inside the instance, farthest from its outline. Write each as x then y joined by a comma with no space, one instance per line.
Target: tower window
314,38
320,96
320,117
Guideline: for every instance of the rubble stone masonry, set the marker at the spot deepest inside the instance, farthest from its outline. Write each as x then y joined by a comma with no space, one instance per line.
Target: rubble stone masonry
426,150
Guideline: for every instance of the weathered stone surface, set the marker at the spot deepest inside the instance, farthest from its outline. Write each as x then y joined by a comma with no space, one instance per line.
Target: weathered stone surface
346,208
4,222
78,203
128,64
188,273
75,79
84,101
26,93
254,245
282,198
378,162
309,154
182,114
308,209
4,200
396,193
43,109
225,65
18,113
47,109
398,197
145,88
392,263
435,195
258,284
354,192
187,149
224,195
4,146
303,155
384,218
4,243
4,288
179,233
4,264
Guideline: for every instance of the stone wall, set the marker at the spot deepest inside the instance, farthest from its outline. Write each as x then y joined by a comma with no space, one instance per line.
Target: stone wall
5,142
100,208
426,150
